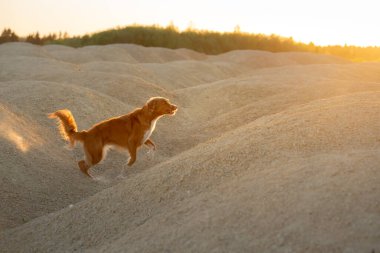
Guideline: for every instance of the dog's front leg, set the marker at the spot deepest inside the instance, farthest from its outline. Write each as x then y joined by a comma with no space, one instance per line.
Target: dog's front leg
132,148
132,153
150,143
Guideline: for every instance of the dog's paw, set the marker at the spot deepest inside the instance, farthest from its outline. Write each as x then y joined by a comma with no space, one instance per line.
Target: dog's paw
131,161
84,168
151,151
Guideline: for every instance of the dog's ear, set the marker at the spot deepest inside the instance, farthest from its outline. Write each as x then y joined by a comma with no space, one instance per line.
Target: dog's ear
151,106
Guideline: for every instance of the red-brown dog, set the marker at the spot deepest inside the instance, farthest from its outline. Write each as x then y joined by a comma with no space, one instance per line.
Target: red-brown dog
129,131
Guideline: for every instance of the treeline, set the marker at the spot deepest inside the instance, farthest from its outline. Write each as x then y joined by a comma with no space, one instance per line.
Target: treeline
208,42
10,36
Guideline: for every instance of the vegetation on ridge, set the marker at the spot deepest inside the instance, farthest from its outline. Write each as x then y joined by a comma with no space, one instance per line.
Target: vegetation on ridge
208,42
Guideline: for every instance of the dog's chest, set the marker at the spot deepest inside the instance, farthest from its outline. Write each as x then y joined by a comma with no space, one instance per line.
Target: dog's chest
149,132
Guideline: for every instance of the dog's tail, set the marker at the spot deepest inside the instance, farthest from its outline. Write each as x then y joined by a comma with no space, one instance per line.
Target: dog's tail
67,126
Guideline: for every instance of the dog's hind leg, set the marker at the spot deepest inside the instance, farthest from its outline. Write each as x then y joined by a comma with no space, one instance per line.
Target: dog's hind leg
93,155
84,167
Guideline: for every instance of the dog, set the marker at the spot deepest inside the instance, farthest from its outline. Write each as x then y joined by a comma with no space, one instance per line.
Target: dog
128,131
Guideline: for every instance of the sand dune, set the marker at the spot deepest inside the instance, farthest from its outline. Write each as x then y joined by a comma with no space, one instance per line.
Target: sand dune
269,152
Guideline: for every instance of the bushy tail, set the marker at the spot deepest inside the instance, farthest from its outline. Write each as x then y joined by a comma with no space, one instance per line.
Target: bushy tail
67,126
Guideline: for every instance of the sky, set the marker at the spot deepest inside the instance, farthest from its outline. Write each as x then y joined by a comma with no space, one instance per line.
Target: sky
324,22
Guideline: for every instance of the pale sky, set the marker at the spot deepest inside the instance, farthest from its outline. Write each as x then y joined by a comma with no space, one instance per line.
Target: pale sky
320,21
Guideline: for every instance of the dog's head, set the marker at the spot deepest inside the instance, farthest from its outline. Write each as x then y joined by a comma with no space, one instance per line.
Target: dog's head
159,106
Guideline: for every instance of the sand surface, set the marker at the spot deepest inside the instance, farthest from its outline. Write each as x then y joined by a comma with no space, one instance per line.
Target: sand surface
269,152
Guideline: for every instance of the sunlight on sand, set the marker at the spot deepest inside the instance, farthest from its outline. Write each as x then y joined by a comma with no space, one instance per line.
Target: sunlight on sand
15,138
18,140
17,130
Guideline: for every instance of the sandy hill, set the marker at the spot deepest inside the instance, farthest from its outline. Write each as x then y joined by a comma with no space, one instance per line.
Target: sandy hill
269,152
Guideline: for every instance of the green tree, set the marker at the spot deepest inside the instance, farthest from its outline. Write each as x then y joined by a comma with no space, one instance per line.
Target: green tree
34,39
8,36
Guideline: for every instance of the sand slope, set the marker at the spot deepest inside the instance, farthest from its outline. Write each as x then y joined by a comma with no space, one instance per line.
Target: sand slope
268,152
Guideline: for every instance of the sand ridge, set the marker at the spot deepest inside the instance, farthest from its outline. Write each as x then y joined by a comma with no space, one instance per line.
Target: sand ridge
269,152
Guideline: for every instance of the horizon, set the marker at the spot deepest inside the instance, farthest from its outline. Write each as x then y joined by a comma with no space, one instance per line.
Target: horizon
322,23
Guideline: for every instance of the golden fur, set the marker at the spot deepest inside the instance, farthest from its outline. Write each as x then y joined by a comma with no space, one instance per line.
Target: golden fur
128,131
